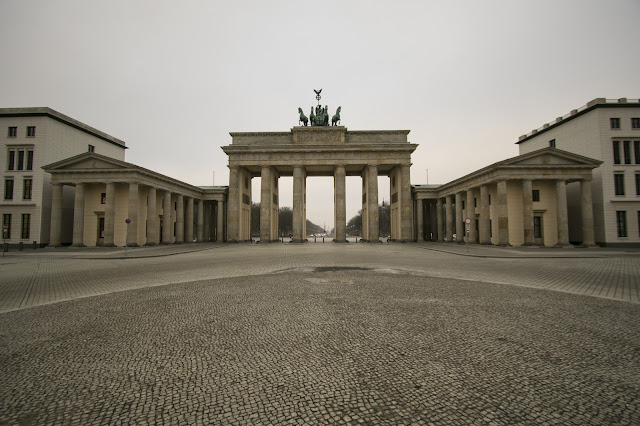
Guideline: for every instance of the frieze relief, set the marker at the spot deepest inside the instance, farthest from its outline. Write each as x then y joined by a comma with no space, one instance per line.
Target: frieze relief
318,137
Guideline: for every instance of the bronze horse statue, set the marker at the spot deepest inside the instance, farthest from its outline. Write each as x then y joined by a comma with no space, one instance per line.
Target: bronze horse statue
336,118
313,117
303,118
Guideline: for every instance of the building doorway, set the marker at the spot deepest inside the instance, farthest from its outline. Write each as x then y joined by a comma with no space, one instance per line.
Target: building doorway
538,231
100,236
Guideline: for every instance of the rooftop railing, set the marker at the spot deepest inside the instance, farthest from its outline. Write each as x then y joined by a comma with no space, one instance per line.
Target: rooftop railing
596,101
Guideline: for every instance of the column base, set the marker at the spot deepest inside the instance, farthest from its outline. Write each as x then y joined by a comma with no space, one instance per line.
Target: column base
340,241
109,245
150,244
567,245
528,244
132,245
503,245
297,241
166,243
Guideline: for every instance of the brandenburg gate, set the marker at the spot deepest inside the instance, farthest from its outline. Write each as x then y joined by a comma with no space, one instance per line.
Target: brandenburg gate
319,150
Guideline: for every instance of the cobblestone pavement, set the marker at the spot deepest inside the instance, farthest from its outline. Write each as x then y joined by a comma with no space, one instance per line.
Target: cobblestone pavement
47,276
316,334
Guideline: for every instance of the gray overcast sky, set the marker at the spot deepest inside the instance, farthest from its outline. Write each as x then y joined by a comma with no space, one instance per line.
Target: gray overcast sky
173,78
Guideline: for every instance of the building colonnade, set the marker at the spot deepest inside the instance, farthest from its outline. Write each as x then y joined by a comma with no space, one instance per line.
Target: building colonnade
505,212
150,215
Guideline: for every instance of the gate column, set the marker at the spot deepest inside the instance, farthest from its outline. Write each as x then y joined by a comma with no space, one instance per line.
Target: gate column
340,206
265,205
298,205
372,204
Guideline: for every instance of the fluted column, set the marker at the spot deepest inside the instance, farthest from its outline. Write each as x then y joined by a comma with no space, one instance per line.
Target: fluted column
448,211
439,234
406,205
233,209
167,226
340,206
55,234
459,219
265,205
110,214
562,214
503,213
78,216
420,219
484,231
471,214
372,204
200,220
189,220
132,215
527,211
298,205
220,229
152,218
180,219
588,238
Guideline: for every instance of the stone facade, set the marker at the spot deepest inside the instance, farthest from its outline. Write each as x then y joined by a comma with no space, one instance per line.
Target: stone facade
593,131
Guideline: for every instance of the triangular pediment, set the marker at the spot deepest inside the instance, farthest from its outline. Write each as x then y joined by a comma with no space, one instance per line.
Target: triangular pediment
549,157
88,161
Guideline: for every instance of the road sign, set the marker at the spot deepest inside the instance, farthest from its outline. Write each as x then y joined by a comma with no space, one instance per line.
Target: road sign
467,221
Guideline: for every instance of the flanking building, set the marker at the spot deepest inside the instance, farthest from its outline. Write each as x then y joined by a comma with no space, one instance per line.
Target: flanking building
32,138
607,130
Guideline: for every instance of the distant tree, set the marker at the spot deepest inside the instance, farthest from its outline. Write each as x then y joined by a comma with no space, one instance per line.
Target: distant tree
255,219
285,220
354,226
384,217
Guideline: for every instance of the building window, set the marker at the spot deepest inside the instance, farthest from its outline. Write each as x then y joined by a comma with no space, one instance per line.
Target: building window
636,151
616,152
635,123
621,219
26,225
552,143
535,195
615,123
6,222
103,198
8,189
11,161
92,148
27,189
30,159
618,181
20,160
638,222
13,132
537,227
637,183
31,131
627,152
